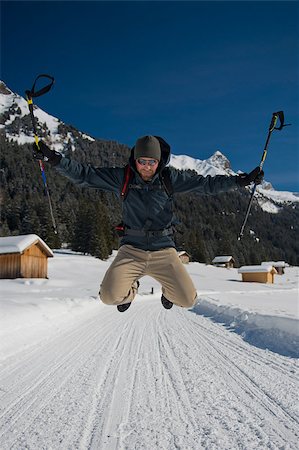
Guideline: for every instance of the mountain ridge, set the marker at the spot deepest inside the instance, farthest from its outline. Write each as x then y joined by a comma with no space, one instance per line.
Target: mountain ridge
208,225
14,119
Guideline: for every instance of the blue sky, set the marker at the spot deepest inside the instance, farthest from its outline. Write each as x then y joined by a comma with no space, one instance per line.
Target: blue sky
206,76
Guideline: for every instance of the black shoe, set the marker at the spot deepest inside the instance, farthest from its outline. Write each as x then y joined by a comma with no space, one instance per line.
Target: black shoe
166,303
124,307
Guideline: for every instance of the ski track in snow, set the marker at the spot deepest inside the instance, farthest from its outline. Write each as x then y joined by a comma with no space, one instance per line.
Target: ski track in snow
147,379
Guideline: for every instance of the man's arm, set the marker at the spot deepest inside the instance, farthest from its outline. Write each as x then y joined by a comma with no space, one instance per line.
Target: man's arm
187,182
84,175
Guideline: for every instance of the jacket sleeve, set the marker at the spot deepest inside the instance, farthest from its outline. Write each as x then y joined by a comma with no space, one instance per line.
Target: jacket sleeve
107,179
188,182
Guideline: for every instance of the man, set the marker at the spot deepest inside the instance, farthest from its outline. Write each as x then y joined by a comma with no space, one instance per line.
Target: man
147,246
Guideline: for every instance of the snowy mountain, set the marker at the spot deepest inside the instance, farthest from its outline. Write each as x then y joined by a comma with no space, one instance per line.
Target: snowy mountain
15,122
269,199
217,164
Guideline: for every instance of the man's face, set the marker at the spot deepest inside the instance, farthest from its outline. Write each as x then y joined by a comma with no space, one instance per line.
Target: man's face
146,167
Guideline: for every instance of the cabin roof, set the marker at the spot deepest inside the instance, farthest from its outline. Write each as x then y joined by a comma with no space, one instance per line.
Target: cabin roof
275,263
222,259
257,269
18,244
183,252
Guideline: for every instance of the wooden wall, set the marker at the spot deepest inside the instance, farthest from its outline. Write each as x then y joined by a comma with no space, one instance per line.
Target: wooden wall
258,277
10,265
33,263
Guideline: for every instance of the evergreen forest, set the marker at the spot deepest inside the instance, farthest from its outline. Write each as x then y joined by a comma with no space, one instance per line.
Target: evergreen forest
208,225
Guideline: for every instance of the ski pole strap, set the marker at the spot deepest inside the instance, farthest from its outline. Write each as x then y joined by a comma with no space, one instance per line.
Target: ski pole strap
275,117
32,93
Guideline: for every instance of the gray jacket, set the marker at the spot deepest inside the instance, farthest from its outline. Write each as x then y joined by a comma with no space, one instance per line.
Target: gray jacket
147,207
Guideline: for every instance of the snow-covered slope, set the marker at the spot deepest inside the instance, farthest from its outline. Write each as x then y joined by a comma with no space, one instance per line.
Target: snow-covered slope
76,374
268,198
14,119
217,164
15,122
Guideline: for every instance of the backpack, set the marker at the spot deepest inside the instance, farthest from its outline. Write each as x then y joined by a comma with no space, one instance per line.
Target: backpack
164,178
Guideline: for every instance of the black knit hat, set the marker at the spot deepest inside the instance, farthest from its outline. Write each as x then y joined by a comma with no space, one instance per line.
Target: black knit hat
147,146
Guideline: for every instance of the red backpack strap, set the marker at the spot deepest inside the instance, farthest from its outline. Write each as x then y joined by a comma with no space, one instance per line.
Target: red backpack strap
126,181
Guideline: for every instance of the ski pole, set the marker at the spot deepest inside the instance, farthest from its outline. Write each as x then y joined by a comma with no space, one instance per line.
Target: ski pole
29,95
275,117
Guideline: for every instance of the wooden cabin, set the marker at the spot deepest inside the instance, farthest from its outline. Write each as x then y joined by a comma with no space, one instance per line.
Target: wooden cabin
258,274
184,257
278,265
24,256
224,261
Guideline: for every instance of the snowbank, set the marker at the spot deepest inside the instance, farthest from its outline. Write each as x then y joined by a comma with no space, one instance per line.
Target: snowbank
265,315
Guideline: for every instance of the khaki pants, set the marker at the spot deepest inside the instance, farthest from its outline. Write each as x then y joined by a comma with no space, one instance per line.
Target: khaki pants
119,283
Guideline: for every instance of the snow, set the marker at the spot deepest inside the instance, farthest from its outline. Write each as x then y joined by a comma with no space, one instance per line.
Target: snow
269,207
181,253
256,269
43,117
75,373
86,136
21,138
217,164
275,263
221,259
10,99
279,196
17,244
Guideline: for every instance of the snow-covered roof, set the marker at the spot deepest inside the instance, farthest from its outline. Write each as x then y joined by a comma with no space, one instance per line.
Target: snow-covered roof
183,252
275,263
222,259
256,269
18,244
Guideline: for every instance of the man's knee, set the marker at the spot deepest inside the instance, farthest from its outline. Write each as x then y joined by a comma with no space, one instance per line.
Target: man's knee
187,301
108,297
113,295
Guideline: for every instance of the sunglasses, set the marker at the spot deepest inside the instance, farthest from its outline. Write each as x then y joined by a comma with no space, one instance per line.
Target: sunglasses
144,162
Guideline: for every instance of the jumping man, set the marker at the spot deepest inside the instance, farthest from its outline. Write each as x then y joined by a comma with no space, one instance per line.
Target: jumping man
147,246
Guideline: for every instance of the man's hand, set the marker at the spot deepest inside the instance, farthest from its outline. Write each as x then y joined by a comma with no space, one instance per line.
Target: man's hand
255,176
43,152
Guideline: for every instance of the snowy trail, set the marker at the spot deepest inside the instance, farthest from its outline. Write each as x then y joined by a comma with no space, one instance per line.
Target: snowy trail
147,379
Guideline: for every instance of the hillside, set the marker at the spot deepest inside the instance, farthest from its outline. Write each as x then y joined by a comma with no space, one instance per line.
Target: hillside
208,225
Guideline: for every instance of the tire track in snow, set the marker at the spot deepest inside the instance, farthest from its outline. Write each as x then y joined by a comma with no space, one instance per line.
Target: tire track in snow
40,383
286,366
109,410
256,398
243,351
148,378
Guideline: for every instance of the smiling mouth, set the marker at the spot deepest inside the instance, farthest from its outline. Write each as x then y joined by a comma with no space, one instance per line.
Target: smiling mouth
146,174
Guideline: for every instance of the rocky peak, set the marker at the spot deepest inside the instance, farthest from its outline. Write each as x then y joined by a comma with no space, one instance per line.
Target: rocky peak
4,89
220,161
